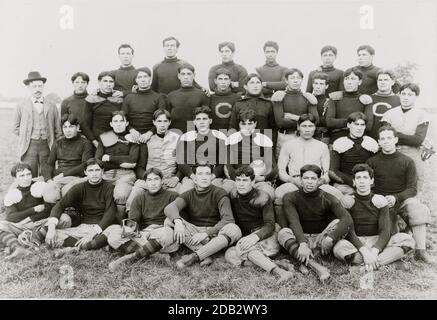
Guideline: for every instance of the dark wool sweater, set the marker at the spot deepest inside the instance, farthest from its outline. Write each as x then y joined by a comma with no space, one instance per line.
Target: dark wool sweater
124,79
181,105
381,104
321,100
207,208
25,208
71,155
250,218
335,79
221,104
122,151
369,221
273,75
395,174
139,108
94,202
339,110
294,102
148,209
77,105
312,212
238,73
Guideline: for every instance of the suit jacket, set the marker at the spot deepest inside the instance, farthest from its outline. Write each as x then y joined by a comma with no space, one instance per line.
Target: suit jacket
23,122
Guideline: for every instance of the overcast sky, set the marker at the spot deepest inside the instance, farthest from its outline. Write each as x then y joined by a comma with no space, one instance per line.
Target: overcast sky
32,38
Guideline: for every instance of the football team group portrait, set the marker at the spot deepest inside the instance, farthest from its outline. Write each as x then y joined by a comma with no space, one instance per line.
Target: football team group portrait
166,181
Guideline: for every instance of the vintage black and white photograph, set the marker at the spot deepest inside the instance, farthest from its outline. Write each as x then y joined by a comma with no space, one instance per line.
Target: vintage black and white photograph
218,150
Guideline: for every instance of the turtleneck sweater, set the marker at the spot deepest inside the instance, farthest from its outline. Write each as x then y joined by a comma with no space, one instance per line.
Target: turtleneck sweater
273,75
311,212
368,82
221,104
380,105
335,81
124,79
77,105
238,73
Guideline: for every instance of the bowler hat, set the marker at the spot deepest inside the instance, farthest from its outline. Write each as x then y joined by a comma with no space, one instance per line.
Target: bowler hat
34,75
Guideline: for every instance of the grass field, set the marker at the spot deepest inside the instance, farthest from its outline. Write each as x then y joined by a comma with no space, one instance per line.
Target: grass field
86,275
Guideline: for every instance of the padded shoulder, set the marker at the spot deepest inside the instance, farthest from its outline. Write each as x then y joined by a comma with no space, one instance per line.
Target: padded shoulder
370,144
342,144
310,97
219,135
189,136
336,95
262,140
365,99
12,197
379,201
234,138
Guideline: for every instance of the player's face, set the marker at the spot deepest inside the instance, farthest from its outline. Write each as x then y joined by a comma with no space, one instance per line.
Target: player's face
310,181
126,55
364,58
226,54
294,81
203,177
222,82
118,124
69,130
351,83
24,178
36,88
385,83
270,54
106,84
408,97
363,182
328,58
186,77
247,127
79,85
244,184
306,129
254,86
153,183
170,48
162,124
202,122
387,141
319,87
356,128
94,174
143,80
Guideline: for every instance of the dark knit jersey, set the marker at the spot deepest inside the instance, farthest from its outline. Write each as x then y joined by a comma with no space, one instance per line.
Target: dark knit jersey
295,103
250,217
77,105
181,105
139,108
381,104
221,104
312,212
335,79
25,207
368,220
368,83
274,76
395,174
94,202
321,108
339,110
121,152
124,79
70,155
238,73
148,208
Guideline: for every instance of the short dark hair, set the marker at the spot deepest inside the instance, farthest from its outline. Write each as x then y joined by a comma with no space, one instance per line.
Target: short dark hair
169,39
20,166
306,117
366,47
247,114
250,76
105,74
247,171
291,71
360,167
272,44
388,127
328,48
388,72
220,71
354,116
412,86
154,171
321,76
143,69
353,70
311,167
186,66
125,45
93,161
160,112
83,75
203,109
70,118
228,44
118,113
202,164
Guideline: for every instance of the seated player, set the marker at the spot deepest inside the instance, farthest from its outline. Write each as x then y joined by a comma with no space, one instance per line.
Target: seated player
370,241
313,220
254,214
207,225
148,234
